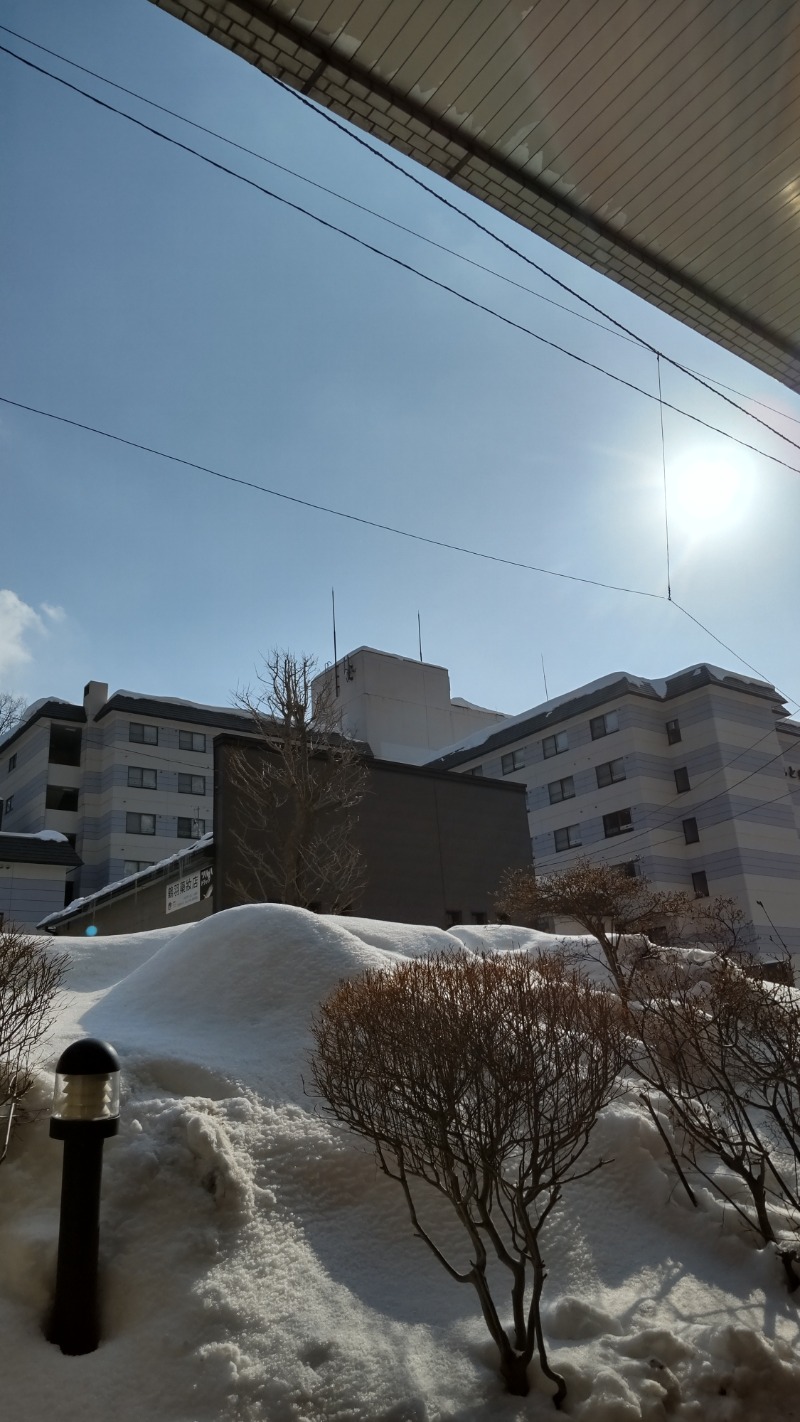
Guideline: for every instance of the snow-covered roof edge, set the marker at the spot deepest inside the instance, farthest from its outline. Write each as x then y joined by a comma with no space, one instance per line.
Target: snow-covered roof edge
153,871
658,688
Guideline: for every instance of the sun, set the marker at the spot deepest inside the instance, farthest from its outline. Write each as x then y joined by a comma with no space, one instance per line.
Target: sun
709,492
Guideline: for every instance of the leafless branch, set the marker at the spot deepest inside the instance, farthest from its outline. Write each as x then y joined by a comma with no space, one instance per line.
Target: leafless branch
483,1078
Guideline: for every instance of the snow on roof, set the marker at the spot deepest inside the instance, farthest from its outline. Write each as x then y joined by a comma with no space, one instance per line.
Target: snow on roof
180,701
477,738
30,712
258,1264
152,871
658,687
473,706
55,835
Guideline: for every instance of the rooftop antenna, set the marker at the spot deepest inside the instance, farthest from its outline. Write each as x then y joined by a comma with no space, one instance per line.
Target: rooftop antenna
335,653
544,677
419,635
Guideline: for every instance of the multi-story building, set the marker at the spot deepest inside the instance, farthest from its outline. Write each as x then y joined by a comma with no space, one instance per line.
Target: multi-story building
128,779
693,780
401,708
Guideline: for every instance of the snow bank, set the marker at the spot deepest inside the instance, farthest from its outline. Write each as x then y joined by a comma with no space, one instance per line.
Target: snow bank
258,1268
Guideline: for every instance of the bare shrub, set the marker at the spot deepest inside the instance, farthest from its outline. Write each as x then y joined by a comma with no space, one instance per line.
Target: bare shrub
724,1053
29,978
482,1078
617,909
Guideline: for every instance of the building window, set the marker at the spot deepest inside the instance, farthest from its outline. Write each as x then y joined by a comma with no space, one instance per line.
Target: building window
604,725
682,780
139,824
479,916
192,740
141,779
630,869
65,745
700,884
9,803
189,828
143,735
690,831
454,916
515,760
192,784
610,772
673,732
61,797
555,745
135,866
567,838
476,770
561,789
617,823
12,760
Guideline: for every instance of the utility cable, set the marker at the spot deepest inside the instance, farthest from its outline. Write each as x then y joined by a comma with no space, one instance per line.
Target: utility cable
615,328
664,476
385,527
330,192
326,508
424,276
645,831
350,132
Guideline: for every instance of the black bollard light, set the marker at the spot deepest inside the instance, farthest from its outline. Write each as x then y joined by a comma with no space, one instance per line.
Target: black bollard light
85,1112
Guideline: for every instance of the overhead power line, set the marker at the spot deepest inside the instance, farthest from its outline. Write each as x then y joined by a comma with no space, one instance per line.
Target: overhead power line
323,188
351,133
385,527
424,276
615,328
328,509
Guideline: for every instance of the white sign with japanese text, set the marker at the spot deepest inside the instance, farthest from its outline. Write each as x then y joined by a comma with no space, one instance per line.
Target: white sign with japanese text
182,892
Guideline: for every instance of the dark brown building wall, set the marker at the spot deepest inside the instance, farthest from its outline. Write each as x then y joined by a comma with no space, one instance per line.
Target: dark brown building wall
435,843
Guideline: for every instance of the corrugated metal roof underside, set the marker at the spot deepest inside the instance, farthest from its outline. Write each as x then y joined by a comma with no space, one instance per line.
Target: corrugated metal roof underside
658,142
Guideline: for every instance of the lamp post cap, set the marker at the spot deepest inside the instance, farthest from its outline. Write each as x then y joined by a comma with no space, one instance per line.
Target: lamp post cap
88,1057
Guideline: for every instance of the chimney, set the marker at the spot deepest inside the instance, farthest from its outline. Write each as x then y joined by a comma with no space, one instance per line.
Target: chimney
95,695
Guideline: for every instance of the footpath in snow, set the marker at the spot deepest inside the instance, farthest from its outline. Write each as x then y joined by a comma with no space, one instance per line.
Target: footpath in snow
257,1267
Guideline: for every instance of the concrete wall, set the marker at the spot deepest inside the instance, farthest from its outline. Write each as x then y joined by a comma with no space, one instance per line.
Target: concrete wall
435,844
30,891
400,707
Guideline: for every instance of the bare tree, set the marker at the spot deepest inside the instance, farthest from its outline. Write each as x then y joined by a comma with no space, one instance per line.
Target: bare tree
482,1079
616,908
29,978
11,709
722,925
724,1054
299,796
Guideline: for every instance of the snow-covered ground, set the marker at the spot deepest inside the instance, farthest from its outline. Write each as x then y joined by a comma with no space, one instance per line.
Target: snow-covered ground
258,1268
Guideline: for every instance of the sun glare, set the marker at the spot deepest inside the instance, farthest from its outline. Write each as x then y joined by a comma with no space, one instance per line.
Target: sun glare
709,493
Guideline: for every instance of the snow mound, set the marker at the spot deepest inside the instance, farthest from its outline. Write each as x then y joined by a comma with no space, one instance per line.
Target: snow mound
257,1266
245,982
412,940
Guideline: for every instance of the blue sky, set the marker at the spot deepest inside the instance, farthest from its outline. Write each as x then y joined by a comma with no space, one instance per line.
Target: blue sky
147,294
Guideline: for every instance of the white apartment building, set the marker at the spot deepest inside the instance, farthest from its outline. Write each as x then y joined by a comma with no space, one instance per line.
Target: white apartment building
399,706
693,780
127,778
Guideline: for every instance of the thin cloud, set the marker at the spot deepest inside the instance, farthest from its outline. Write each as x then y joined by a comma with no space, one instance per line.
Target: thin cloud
56,614
18,622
